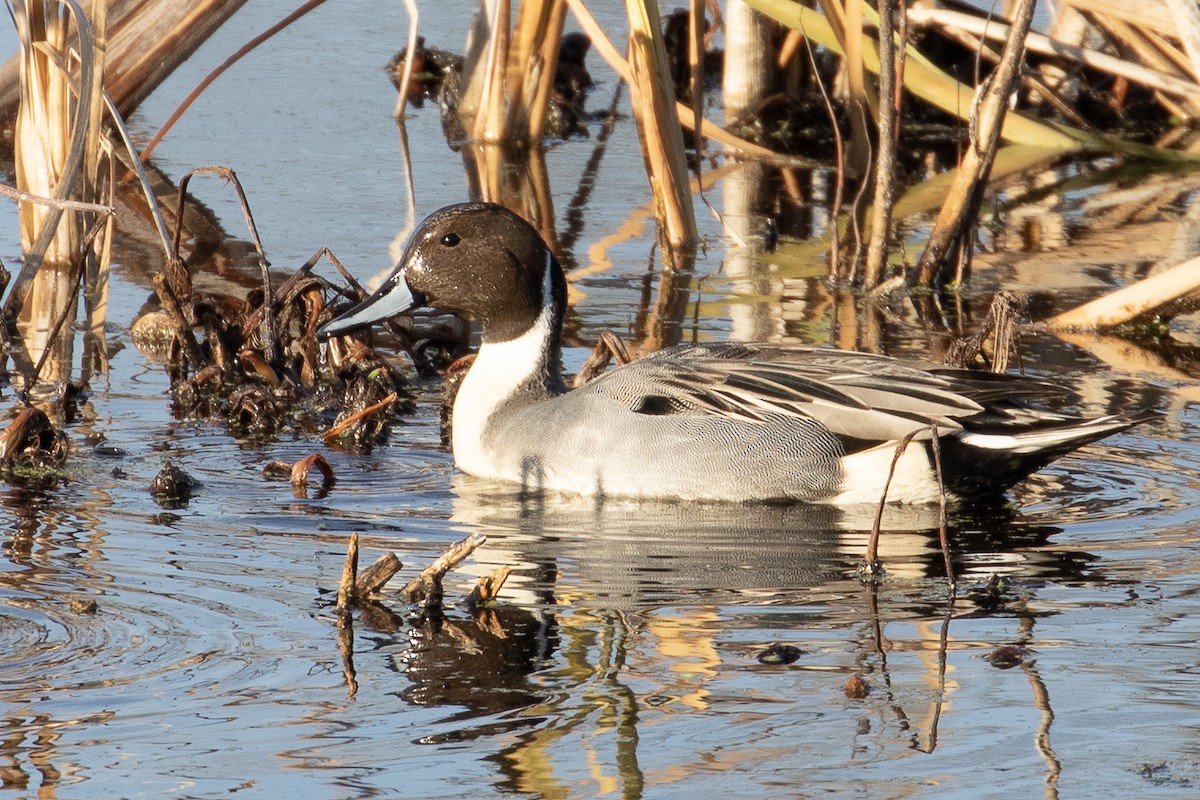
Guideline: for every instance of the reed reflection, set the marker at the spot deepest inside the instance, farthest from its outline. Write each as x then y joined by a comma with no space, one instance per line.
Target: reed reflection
619,616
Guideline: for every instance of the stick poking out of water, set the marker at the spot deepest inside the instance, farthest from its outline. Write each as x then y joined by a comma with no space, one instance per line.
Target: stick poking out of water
429,583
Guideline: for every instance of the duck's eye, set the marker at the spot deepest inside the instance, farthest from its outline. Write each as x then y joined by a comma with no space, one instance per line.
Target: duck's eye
451,239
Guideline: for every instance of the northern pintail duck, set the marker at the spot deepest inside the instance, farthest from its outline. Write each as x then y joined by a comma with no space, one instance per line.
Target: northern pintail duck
722,421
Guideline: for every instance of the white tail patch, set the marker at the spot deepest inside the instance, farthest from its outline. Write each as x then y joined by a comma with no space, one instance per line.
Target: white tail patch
1035,441
864,475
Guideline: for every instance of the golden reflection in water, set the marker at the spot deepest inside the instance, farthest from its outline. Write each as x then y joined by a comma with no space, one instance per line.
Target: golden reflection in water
52,297
37,529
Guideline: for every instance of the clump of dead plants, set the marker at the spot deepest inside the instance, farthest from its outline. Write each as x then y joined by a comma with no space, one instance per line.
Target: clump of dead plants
254,362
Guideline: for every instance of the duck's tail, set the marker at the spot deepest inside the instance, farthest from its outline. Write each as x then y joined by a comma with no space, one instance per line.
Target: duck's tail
988,460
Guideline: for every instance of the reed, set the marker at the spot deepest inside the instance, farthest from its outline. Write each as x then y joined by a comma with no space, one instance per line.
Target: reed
658,126
60,160
889,106
949,244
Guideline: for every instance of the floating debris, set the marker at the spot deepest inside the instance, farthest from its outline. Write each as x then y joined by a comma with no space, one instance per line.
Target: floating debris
172,487
299,472
1006,657
81,606
32,449
780,654
856,688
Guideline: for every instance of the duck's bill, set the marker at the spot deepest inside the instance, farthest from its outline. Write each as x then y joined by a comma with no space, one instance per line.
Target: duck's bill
389,300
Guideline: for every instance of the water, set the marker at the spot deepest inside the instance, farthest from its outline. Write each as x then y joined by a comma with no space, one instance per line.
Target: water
624,658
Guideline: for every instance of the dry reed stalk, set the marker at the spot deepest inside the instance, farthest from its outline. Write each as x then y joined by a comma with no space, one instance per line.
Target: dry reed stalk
885,167
414,19
59,153
707,129
1177,57
148,39
1040,43
487,82
661,137
1152,14
696,73
950,240
531,67
42,151
930,84
1132,301
1187,20
845,19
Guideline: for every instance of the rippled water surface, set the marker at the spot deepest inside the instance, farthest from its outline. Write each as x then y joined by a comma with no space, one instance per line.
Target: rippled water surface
193,651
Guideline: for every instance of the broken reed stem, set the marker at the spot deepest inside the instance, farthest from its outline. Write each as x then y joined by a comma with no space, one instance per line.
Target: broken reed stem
375,577
267,332
160,224
950,241
1132,301
489,586
69,205
428,583
345,595
183,328
1000,323
658,127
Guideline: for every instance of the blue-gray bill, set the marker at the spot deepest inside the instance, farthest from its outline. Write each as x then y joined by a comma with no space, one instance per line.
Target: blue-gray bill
391,299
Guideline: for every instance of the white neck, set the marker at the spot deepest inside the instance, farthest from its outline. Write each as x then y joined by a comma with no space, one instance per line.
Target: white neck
500,371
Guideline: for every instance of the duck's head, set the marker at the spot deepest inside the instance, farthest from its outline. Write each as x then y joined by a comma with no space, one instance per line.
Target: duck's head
478,260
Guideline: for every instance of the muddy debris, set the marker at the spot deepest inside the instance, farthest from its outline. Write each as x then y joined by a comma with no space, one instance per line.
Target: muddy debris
1006,657
780,654
172,487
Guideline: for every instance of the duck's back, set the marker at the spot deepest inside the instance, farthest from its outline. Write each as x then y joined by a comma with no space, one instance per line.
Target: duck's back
757,422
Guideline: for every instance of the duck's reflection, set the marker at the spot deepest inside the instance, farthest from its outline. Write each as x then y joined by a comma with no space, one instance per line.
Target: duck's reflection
632,555
619,617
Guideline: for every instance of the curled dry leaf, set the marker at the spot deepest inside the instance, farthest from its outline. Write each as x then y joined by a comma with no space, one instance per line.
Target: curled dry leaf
304,466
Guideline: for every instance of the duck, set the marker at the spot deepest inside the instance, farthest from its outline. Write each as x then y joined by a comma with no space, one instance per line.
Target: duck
720,421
